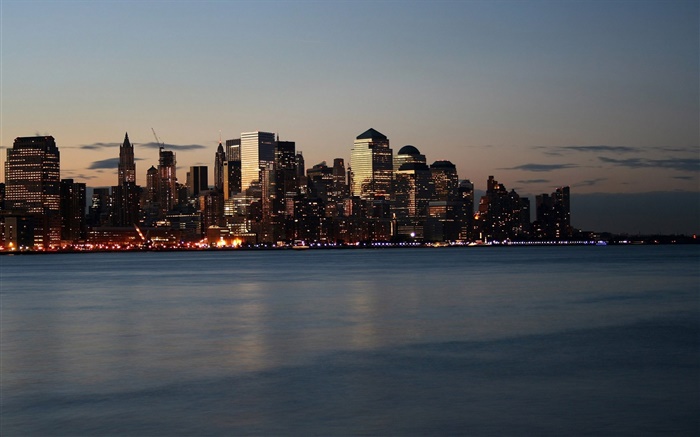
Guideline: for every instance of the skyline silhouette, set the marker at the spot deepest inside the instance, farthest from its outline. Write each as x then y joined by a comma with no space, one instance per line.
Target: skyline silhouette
599,97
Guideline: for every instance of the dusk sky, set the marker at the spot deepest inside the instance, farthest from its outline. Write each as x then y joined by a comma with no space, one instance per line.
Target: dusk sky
601,96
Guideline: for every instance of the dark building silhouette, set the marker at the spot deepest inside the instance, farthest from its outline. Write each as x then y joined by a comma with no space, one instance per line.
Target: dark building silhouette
73,203
219,160
100,207
126,195
502,215
127,163
553,215
198,180
167,181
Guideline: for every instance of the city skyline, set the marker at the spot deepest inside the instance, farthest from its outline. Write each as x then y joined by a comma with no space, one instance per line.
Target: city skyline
602,98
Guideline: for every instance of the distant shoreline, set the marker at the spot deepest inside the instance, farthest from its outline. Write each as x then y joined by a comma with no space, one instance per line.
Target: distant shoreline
621,241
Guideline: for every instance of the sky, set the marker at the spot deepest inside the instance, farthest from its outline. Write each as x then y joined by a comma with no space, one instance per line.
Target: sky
599,96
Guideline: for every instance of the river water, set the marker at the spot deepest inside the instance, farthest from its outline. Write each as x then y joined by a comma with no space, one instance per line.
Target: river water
453,341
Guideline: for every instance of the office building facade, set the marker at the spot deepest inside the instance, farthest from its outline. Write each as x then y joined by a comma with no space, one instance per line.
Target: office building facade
371,166
33,186
257,150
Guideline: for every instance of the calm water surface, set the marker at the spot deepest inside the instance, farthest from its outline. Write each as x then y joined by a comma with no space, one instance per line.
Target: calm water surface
472,341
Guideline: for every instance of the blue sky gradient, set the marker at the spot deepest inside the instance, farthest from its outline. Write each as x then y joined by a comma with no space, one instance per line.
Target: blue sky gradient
601,96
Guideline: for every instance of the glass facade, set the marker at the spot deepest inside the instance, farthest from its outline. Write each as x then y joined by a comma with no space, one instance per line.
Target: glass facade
372,166
257,149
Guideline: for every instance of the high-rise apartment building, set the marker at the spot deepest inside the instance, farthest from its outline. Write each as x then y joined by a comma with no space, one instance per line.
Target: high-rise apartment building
127,164
372,166
33,186
257,150
553,214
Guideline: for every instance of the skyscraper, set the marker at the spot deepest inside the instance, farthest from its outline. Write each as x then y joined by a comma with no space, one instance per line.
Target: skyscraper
257,150
33,186
198,179
219,160
73,204
167,181
413,192
372,166
408,154
126,194
445,180
127,165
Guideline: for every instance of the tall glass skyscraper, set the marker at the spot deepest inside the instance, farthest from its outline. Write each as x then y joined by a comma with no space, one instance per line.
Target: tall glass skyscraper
33,186
257,150
371,165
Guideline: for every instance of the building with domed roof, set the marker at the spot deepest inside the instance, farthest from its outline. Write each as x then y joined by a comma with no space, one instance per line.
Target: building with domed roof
408,154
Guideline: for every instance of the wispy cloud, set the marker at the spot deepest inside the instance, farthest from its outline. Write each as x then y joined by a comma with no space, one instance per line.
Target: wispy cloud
590,182
110,163
533,181
98,146
563,150
105,163
682,164
541,167
154,145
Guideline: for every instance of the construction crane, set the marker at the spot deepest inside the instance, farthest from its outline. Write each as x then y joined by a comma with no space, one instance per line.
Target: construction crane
161,146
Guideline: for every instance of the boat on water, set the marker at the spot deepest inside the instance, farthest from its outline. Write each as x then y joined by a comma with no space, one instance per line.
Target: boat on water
300,245
478,243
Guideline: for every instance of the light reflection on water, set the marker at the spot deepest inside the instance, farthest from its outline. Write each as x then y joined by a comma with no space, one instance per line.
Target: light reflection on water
273,334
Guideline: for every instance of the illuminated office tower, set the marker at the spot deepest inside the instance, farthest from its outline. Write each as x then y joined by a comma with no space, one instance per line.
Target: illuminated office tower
408,154
219,160
233,149
445,180
127,165
257,150
413,191
372,166
73,203
167,181
33,186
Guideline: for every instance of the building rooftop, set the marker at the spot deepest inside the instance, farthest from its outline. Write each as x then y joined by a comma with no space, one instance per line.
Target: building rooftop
371,134
409,150
442,164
